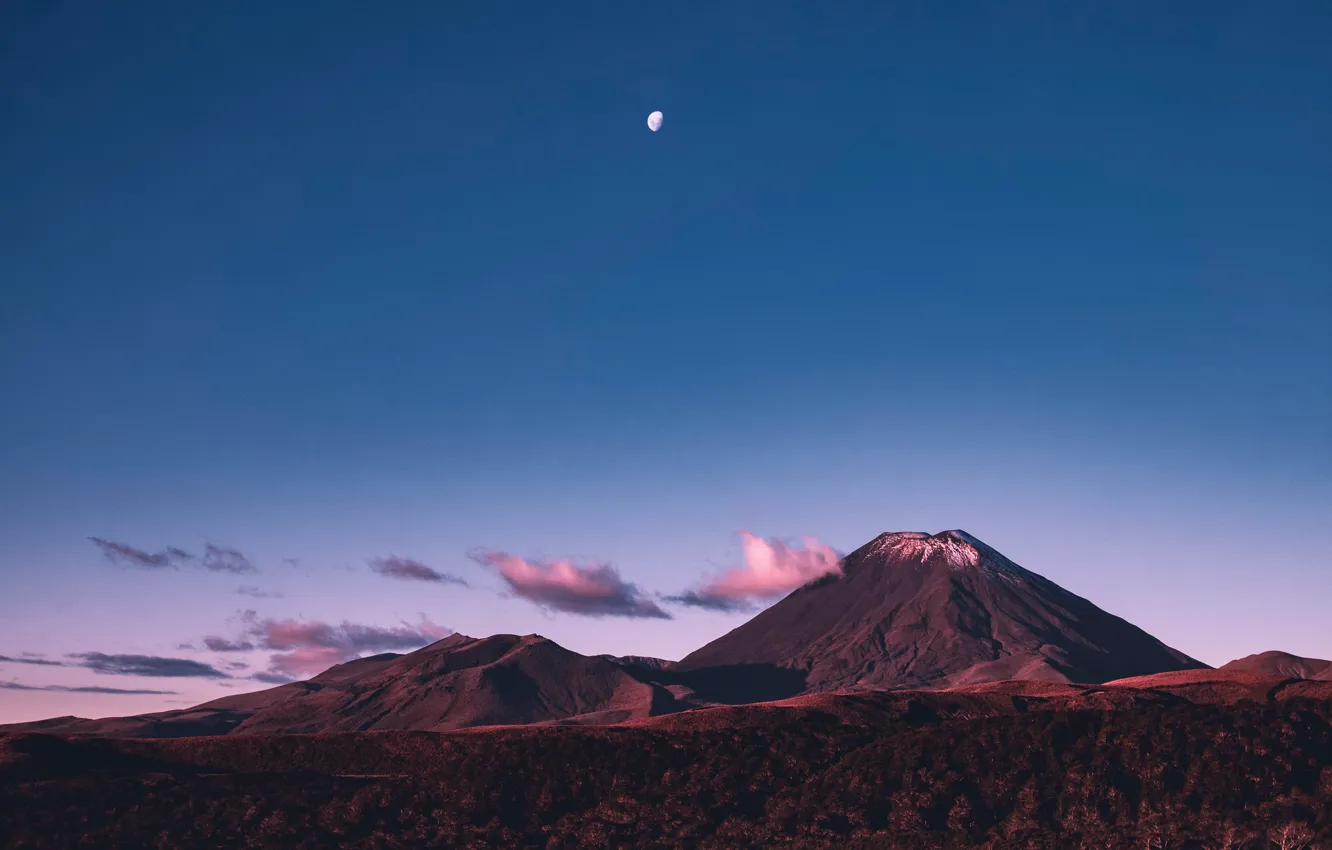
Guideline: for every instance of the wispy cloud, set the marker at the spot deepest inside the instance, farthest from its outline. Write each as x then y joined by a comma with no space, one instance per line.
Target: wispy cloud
218,644
408,569
771,568
31,659
224,559
595,590
696,599
304,647
93,689
272,678
307,661
216,558
255,593
146,665
126,555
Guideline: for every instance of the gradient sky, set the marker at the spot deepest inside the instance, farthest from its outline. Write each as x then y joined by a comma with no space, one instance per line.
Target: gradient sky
345,283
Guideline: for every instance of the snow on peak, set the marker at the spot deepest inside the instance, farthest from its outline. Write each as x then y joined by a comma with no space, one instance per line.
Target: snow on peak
959,534
956,548
915,546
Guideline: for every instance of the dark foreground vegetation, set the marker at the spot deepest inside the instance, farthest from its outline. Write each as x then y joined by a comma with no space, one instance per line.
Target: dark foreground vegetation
1150,776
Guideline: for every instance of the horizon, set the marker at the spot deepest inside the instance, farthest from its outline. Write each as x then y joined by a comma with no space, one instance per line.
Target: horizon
253,678
327,333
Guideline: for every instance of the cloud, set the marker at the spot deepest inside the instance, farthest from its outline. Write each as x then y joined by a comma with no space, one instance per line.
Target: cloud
596,590
32,659
771,568
410,570
146,665
126,555
216,559
353,637
306,661
312,646
696,599
92,689
217,644
255,593
272,678
224,559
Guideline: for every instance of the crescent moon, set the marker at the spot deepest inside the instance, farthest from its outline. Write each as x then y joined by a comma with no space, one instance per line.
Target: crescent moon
654,121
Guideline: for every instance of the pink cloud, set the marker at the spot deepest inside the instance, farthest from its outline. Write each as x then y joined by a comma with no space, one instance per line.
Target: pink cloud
409,569
307,661
596,590
311,646
293,634
771,568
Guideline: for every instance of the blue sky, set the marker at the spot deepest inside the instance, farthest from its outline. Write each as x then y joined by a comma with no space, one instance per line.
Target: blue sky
333,285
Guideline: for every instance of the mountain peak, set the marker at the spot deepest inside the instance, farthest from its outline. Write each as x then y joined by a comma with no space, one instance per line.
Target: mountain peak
912,609
954,548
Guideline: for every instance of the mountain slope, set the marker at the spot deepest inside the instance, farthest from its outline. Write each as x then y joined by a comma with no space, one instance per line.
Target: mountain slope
456,682
928,611
462,681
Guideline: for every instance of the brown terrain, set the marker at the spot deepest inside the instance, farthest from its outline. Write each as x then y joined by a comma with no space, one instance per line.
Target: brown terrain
933,695
1038,765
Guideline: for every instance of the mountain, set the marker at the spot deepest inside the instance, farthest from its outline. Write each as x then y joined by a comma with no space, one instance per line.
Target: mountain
1282,664
915,610
909,611
456,682
462,681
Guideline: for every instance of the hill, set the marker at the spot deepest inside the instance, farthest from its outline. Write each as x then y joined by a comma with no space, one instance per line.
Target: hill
1283,664
456,682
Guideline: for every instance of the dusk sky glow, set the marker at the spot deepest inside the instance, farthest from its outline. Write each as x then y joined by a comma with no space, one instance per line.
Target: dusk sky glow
336,335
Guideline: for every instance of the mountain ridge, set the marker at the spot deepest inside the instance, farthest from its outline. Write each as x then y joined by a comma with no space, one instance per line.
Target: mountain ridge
910,612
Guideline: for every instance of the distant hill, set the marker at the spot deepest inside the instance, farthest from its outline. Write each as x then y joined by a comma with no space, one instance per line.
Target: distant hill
459,681
462,681
1283,664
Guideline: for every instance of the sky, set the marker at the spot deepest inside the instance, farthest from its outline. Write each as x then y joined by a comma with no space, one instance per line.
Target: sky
327,331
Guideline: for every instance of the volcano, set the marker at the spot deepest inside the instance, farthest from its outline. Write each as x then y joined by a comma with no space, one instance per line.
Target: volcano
915,610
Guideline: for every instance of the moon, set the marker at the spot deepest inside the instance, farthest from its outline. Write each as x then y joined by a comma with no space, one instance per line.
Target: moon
654,121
